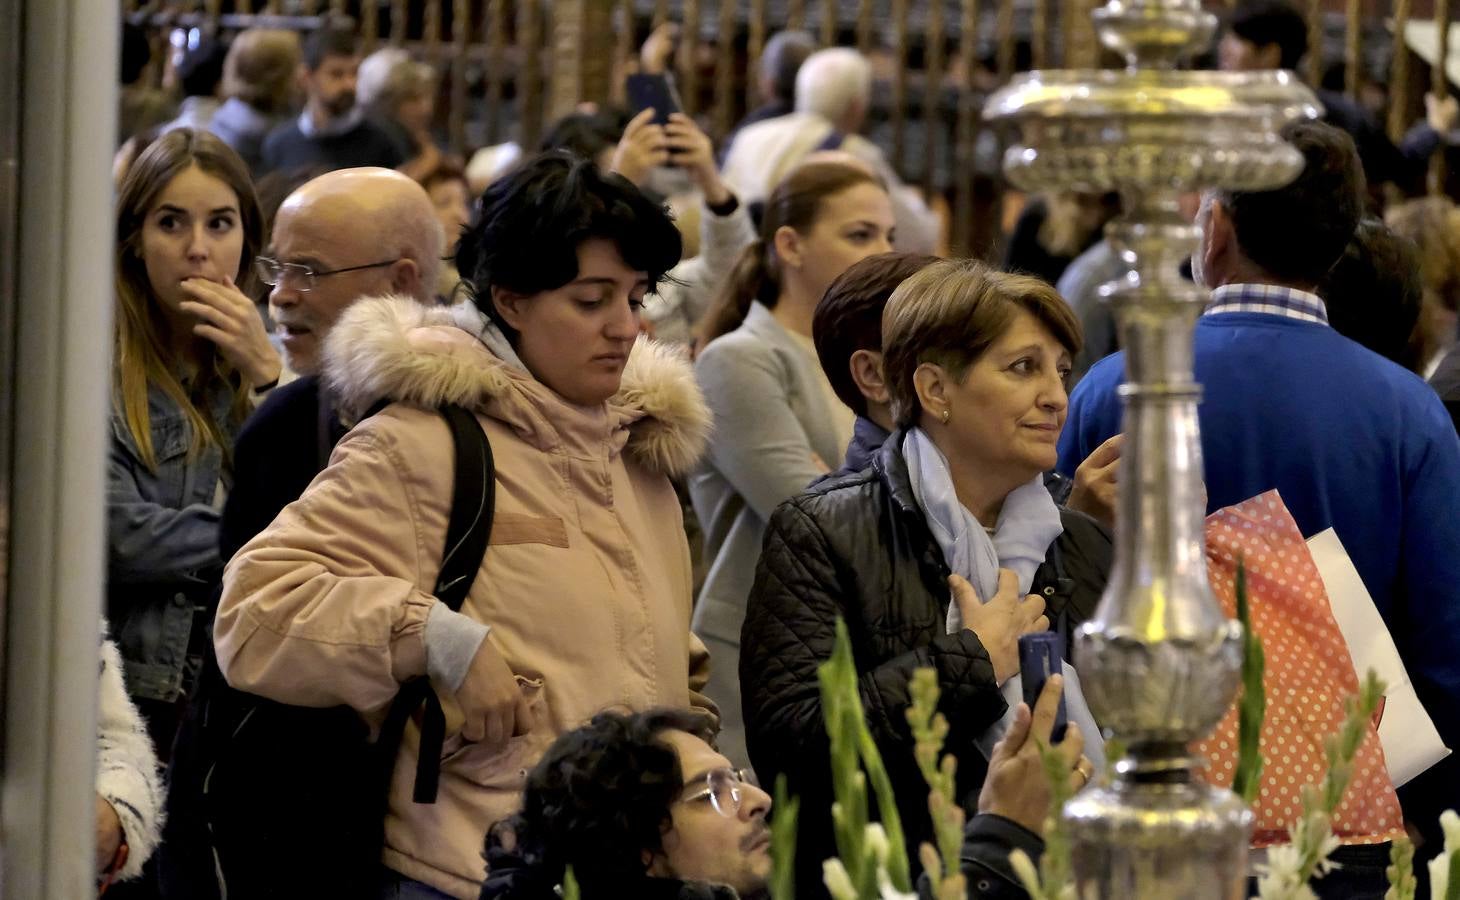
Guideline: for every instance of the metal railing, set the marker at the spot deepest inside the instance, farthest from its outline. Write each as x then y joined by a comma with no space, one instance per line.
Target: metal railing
509,67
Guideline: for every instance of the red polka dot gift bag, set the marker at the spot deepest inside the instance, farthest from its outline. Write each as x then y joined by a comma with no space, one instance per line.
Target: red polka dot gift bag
1309,674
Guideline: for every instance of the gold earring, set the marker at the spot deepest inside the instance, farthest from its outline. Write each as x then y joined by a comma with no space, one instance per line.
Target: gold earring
946,413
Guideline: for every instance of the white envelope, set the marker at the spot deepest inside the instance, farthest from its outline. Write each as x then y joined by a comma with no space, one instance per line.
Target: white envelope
1411,743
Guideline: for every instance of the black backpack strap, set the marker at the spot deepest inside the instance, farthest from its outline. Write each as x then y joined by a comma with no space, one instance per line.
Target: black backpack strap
474,497
468,530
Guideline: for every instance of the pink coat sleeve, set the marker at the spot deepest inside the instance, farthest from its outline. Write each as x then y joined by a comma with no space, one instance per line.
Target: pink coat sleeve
326,605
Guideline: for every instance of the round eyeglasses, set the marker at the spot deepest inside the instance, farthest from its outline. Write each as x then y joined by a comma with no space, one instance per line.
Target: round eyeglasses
303,278
723,788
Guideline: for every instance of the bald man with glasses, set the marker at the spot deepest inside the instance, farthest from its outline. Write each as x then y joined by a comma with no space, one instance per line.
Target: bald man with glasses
345,235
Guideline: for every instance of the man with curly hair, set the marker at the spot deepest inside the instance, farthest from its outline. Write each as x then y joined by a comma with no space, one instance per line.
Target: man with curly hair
639,805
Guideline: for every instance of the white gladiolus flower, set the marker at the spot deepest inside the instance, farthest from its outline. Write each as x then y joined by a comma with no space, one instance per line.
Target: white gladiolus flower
1024,868
877,844
838,882
1440,865
1278,878
1450,824
885,890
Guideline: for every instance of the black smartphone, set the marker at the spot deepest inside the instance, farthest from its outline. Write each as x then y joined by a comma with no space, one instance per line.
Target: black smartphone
1039,658
654,92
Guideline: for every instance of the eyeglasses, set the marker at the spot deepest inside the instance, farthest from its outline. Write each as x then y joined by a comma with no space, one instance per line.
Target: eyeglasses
273,272
723,790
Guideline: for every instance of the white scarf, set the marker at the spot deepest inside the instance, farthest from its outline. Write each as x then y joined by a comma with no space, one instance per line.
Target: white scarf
1029,522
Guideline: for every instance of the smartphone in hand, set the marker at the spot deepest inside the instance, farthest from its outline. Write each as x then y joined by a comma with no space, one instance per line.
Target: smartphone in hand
1039,658
654,92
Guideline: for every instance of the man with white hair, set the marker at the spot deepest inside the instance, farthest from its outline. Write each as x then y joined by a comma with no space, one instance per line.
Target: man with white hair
776,72
833,94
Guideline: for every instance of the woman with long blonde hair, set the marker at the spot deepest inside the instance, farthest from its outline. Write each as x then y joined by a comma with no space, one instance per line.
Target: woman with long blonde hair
191,356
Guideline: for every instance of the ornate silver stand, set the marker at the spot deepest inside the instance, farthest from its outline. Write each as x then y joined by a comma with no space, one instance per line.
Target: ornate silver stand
1159,662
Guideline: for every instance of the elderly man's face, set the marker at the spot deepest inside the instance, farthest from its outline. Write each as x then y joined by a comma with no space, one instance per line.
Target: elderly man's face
314,235
720,840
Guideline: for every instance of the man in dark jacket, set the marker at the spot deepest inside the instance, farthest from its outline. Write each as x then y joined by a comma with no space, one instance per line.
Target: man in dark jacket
330,245
345,235
332,132
1272,34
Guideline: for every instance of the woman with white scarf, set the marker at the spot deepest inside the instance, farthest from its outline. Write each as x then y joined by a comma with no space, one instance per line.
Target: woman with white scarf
941,554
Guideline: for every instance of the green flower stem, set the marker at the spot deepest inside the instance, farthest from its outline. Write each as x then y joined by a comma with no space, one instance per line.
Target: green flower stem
851,740
1253,708
783,842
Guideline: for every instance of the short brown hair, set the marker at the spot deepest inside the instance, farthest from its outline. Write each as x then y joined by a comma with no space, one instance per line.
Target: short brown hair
849,317
950,313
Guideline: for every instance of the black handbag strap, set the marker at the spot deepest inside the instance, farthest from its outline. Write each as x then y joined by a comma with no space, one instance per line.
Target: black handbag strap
468,530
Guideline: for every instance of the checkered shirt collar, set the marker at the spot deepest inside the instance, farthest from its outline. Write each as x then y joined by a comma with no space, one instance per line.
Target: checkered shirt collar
1270,299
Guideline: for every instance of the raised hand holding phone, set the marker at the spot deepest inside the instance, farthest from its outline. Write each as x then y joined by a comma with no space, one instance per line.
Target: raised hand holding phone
692,150
642,148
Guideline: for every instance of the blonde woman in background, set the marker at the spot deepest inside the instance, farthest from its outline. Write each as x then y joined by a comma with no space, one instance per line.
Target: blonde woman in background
259,90
1433,223
399,94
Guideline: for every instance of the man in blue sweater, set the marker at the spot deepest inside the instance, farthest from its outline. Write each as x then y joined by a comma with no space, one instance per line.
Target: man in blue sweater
1351,440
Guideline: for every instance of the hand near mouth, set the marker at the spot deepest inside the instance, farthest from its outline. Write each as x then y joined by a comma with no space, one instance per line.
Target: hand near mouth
230,320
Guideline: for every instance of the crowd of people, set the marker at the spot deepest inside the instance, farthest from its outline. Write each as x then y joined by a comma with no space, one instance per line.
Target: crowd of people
475,522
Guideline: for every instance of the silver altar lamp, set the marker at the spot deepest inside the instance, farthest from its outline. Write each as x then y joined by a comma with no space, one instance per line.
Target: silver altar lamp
1159,662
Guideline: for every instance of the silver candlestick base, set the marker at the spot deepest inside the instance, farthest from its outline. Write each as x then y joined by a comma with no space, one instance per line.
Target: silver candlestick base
1159,662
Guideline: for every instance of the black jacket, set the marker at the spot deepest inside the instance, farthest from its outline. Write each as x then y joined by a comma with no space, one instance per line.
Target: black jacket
987,842
287,149
282,447
511,877
1404,164
858,547
1446,382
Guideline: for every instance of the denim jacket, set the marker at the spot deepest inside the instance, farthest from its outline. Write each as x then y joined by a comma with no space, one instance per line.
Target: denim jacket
162,542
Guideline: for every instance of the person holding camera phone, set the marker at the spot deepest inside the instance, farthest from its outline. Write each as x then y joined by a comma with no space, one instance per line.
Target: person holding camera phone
942,553
661,136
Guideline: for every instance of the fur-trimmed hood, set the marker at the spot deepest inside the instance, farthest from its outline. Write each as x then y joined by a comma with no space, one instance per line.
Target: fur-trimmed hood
394,348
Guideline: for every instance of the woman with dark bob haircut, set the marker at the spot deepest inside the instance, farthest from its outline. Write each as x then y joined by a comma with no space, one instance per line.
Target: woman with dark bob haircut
940,554
583,601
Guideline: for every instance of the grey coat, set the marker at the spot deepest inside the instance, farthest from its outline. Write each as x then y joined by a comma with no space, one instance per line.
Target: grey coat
774,435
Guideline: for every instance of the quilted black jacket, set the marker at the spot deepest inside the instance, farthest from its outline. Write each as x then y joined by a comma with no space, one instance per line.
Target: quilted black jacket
858,547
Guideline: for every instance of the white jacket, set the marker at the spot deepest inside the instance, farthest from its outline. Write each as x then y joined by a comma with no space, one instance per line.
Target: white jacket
127,773
765,152
689,288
